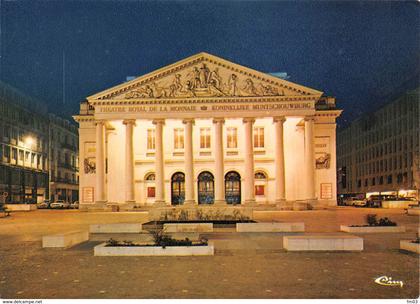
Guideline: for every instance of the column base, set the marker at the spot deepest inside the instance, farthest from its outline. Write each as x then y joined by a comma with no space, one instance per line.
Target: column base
128,205
282,204
219,203
159,203
189,203
250,202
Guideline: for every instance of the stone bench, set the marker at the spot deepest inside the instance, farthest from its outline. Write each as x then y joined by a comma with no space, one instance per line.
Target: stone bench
372,229
116,228
65,240
325,242
270,227
189,227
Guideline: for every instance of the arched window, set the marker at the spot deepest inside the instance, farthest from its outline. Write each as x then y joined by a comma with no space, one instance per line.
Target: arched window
205,188
178,188
260,175
233,188
150,177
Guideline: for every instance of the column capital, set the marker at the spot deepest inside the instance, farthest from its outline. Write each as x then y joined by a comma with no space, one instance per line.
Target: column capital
309,118
129,122
281,119
188,120
248,119
218,120
158,121
100,122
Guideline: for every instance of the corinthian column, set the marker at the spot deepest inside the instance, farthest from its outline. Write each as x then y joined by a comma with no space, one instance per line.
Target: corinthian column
100,162
219,168
129,160
309,158
159,174
249,161
279,160
189,168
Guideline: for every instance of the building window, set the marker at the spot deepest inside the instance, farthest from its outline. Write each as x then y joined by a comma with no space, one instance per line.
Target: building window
150,177
366,182
359,183
373,181
232,137
381,180
259,137
179,138
205,138
389,179
151,139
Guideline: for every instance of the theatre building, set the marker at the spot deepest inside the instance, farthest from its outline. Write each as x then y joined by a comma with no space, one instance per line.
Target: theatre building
206,131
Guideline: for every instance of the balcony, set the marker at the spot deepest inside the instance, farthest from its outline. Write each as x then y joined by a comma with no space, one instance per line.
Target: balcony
67,166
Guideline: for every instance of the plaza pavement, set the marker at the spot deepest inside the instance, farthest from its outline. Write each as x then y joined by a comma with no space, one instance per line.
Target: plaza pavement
246,265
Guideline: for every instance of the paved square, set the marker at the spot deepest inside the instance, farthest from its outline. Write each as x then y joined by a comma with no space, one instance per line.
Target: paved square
245,265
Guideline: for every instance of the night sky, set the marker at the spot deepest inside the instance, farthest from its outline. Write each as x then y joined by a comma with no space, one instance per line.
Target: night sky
364,53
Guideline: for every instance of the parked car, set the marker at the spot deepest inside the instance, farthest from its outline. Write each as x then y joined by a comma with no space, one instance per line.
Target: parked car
354,201
60,204
43,205
74,205
375,201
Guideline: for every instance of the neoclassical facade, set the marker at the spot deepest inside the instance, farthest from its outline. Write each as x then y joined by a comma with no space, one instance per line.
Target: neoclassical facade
206,131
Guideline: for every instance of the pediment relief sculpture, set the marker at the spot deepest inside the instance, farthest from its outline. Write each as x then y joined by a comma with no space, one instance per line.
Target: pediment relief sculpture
205,80
204,75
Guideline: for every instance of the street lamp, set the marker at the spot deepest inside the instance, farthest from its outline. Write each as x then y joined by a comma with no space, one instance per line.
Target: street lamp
29,141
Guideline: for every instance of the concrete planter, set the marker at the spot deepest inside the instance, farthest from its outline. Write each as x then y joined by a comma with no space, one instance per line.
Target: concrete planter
270,227
323,242
116,228
102,250
189,227
413,211
65,240
21,207
410,246
373,229
396,204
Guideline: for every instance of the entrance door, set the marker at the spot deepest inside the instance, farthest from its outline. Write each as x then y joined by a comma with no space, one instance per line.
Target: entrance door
178,188
233,188
205,188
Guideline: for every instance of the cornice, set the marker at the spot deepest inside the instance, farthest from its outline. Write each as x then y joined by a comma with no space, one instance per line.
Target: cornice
167,101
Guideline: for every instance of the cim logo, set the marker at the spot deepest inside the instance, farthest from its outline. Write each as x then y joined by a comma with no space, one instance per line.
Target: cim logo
387,281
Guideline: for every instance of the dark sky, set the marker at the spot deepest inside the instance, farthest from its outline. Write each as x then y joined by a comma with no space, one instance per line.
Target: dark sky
364,53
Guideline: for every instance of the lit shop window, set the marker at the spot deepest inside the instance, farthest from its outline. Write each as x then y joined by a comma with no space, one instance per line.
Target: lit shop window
179,138
205,138
151,139
259,137
232,137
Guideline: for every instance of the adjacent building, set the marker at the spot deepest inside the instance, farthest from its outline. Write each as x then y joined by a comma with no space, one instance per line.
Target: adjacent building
379,152
63,159
29,137
206,131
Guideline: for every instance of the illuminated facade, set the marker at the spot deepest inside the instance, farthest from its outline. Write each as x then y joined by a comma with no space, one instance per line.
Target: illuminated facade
38,151
206,131
379,153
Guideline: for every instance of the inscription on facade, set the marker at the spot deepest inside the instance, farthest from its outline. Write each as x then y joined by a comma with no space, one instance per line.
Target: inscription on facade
214,108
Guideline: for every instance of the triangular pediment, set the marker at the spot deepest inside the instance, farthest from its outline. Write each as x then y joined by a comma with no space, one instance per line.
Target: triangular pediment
204,75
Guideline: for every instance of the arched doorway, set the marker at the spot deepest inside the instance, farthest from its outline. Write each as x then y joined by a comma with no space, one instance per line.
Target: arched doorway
205,188
178,188
233,188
